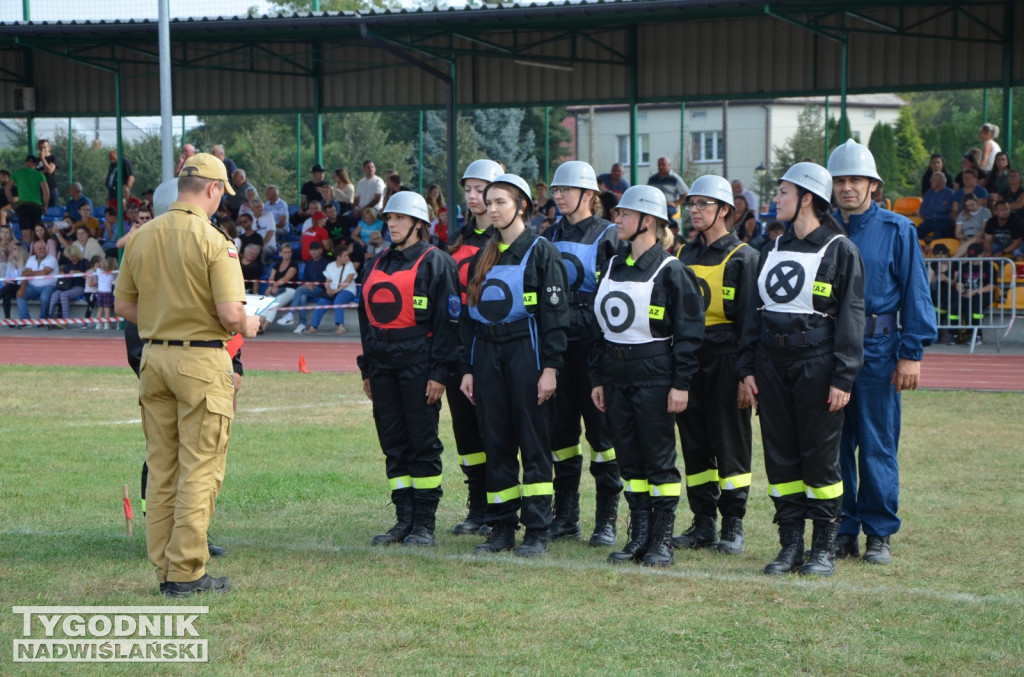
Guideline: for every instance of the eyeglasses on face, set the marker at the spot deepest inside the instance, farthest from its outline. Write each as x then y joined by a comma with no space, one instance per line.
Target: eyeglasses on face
700,205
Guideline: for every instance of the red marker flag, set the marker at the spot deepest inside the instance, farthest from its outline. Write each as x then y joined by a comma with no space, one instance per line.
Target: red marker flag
127,509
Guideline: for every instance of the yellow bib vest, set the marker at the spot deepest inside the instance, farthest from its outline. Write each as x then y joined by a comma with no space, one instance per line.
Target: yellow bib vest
715,294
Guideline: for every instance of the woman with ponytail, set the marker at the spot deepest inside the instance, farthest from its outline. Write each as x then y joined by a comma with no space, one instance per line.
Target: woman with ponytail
513,341
802,346
650,315
408,313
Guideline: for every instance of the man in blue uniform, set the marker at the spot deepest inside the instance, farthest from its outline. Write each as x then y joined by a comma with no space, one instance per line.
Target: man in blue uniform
895,281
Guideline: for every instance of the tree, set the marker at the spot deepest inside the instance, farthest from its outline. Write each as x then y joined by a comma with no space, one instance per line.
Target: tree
435,150
807,142
911,156
558,136
883,146
499,134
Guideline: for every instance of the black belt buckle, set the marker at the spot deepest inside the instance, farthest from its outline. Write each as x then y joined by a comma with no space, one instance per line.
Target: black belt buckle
780,340
621,353
872,321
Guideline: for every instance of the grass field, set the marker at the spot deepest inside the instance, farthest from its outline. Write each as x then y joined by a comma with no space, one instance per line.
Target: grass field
305,490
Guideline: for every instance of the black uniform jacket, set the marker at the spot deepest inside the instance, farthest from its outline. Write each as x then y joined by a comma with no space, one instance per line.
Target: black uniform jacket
740,274
544,275
677,291
581,322
436,280
841,267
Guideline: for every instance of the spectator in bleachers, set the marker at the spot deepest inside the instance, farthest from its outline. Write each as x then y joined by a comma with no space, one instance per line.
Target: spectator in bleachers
970,224
95,264
250,194
83,241
439,228
241,185
771,232
1004,233
247,235
75,202
1014,192
375,244
6,208
105,277
970,160
744,222
47,165
340,288
281,282
614,182
252,268
16,261
435,200
277,208
314,207
970,185
308,194
187,151
544,207
312,289
315,233
32,194
130,201
998,181
337,228
327,198
41,233
369,190
344,190
41,264
671,184
147,198
987,134
936,210
739,189
6,246
85,218
392,185
69,289
976,291
941,281
879,198
936,164
229,164
127,172
264,224
370,223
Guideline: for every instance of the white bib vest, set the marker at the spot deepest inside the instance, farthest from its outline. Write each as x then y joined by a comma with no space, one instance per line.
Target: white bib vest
786,282
624,309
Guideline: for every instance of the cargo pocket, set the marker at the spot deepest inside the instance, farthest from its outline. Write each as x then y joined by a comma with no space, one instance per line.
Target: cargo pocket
217,423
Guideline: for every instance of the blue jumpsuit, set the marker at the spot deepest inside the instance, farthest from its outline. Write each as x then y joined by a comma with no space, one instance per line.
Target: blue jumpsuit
895,281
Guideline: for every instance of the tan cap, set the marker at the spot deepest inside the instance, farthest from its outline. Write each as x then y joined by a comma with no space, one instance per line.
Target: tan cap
206,166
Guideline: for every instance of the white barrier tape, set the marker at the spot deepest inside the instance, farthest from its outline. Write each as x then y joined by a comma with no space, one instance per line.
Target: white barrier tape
50,277
60,322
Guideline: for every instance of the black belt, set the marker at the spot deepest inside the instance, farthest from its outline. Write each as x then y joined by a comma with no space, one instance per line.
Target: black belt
879,325
581,298
384,334
798,340
191,344
503,329
640,350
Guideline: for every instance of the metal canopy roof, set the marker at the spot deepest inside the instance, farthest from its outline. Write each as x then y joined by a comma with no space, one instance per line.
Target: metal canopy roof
610,51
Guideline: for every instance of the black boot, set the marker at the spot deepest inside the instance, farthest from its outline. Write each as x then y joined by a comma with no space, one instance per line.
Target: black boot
565,525
215,550
701,534
502,537
659,547
791,557
731,538
846,546
878,550
604,520
402,498
823,545
477,504
422,533
535,543
639,530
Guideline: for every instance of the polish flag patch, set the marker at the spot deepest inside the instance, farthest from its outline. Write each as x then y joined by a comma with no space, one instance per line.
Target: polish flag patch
232,252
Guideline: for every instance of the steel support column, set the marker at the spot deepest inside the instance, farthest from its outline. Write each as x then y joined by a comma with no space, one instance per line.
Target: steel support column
634,136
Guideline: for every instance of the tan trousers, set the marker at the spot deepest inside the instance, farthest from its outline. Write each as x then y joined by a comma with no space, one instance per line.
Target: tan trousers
186,395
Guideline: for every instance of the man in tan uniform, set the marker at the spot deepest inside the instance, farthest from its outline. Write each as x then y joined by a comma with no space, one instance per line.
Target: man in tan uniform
180,281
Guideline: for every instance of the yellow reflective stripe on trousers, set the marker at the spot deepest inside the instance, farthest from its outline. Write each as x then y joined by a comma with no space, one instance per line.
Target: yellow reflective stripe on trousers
567,453
702,478
734,482
539,489
671,489
479,458
637,486
825,493
404,482
786,488
143,506
602,456
505,495
426,482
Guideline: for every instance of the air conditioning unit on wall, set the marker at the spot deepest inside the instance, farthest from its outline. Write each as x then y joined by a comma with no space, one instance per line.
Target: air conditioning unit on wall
24,99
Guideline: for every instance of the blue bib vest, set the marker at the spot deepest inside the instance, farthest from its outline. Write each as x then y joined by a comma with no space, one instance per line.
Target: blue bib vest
580,259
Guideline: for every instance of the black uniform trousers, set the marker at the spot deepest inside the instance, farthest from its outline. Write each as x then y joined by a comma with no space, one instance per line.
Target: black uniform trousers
513,426
715,436
572,401
645,439
800,436
407,427
465,428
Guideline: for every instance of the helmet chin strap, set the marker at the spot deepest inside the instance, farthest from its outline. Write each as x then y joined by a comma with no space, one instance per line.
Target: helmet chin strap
415,225
640,228
514,216
701,231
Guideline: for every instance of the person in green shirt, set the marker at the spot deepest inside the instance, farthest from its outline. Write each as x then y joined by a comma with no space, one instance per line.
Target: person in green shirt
33,193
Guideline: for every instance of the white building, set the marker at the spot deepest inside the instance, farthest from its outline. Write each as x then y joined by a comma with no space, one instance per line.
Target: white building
726,138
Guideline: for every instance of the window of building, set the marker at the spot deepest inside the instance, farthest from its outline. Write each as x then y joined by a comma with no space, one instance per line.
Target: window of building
625,157
708,146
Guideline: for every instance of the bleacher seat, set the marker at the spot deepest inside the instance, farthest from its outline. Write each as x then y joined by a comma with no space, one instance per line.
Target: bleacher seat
908,207
54,214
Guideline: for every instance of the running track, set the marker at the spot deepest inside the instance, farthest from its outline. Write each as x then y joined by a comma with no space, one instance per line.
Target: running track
74,348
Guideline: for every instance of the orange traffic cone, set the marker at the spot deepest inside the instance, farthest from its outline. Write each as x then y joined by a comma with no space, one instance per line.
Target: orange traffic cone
302,365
